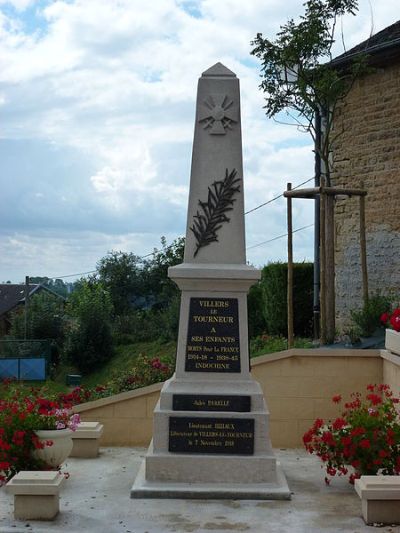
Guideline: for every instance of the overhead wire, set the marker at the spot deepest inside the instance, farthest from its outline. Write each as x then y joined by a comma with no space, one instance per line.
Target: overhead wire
248,248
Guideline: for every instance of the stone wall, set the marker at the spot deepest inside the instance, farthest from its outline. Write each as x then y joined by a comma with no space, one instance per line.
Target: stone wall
298,386
367,151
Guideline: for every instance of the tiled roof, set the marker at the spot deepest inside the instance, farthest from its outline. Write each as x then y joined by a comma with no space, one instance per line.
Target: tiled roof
387,38
12,294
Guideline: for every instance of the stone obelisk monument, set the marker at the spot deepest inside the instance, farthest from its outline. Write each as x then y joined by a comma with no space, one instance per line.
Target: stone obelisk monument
211,437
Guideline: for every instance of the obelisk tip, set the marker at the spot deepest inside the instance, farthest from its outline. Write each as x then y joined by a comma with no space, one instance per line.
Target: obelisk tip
218,71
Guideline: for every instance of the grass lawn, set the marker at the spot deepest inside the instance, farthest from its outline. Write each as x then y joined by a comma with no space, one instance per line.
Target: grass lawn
125,357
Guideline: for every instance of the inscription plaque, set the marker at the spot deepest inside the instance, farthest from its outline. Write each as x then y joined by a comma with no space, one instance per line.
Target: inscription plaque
213,335
211,435
210,402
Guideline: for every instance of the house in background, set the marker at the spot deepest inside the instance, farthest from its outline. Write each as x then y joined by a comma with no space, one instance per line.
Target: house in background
12,297
367,154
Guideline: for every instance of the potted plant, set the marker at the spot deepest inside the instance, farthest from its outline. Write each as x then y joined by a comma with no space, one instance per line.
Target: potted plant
24,415
364,440
392,336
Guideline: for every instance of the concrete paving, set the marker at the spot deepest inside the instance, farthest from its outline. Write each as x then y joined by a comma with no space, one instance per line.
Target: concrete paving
96,498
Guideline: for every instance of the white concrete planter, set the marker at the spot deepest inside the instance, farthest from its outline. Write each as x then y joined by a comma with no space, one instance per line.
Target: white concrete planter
392,341
62,445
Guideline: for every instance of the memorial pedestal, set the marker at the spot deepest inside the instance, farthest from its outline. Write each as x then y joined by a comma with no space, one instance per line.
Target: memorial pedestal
211,428
211,424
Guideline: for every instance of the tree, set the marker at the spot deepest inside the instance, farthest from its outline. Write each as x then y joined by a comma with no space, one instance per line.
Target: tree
121,275
161,288
89,340
294,76
137,283
45,318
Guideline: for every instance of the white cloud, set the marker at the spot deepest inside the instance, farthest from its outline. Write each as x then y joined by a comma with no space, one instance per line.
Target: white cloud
105,91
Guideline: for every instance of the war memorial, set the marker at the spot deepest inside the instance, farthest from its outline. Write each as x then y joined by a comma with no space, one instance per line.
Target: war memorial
211,424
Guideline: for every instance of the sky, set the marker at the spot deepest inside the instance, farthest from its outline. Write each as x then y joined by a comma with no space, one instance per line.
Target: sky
97,103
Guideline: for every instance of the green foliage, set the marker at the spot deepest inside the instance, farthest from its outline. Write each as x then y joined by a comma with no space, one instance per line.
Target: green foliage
125,357
44,321
121,274
367,319
274,287
264,344
134,283
145,371
255,307
302,48
89,342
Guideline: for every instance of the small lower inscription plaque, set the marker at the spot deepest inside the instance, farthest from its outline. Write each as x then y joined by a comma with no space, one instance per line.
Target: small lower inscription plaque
211,435
211,402
213,343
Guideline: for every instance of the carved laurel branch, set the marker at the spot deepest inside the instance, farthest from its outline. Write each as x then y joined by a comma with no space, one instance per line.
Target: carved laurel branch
212,214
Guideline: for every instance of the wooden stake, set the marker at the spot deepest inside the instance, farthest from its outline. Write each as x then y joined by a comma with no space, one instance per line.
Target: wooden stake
322,271
290,271
330,269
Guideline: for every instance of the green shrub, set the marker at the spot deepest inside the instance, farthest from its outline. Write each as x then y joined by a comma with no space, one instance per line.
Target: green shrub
255,304
89,342
367,319
274,287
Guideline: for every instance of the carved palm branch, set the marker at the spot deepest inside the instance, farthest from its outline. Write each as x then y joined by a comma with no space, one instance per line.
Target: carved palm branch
212,214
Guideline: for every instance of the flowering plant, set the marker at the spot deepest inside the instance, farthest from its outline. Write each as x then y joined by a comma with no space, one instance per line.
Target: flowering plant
365,440
21,414
391,320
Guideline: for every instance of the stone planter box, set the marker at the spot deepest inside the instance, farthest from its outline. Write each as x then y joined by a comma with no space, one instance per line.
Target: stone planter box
55,454
86,439
380,498
392,341
36,494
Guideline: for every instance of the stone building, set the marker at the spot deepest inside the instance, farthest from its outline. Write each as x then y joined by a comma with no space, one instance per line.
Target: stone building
367,153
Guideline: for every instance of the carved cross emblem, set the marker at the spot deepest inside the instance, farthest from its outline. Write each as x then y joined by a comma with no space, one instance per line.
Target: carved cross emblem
218,115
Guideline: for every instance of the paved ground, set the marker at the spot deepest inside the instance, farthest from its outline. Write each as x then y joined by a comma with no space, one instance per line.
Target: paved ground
96,499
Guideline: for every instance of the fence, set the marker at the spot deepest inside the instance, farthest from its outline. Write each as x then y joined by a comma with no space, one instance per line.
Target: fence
25,359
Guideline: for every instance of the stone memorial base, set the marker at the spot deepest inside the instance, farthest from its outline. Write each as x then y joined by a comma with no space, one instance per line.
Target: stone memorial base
36,494
202,448
86,440
276,490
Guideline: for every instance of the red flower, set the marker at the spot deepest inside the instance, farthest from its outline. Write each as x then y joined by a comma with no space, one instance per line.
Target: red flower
365,443
318,423
331,471
346,441
371,388
327,437
384,318
337,398
374,399
308,436
353,477
357,431
339,423
395,322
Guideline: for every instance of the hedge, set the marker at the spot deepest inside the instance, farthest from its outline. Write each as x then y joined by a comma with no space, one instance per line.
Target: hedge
274,292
